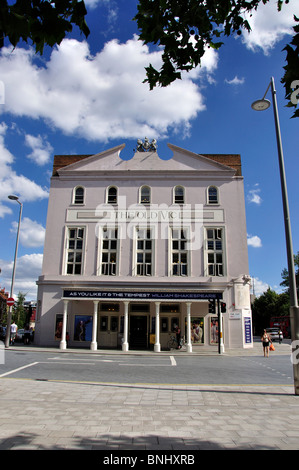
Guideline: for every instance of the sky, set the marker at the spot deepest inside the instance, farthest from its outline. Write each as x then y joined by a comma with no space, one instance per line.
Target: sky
86,96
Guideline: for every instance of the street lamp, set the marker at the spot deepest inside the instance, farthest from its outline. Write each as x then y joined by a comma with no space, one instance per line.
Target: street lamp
261,105
7,336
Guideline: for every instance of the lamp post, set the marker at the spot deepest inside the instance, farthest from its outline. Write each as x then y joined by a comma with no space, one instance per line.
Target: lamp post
261,105
7,336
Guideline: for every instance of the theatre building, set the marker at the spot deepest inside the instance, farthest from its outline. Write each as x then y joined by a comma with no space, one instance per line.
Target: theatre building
137,246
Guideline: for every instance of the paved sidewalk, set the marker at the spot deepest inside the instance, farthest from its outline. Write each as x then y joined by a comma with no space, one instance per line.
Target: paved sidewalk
53,415
56,415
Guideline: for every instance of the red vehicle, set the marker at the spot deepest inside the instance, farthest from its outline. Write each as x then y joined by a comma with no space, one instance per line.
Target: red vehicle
283,323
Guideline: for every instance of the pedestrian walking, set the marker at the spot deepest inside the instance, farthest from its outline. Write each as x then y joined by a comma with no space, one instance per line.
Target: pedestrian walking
26,334
266,343
13,332
177,331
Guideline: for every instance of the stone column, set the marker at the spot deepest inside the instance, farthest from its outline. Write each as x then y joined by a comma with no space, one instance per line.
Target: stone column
157,346
94,344
125,345
63,344
189,344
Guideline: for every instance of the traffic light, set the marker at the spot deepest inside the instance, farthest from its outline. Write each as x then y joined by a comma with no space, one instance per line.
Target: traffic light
223,307
212,307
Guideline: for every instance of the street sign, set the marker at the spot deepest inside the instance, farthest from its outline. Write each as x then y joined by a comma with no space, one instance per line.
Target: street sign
10,302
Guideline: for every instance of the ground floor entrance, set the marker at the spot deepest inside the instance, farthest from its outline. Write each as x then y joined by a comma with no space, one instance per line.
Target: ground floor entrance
136,325
138,332
144,318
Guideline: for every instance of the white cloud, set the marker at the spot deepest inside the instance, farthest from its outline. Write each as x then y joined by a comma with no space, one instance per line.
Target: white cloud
32,233
254,241
269,26
28,269
235,81
11,182
254,196
6,158
208,65
41,149
91,3
101,97
258,286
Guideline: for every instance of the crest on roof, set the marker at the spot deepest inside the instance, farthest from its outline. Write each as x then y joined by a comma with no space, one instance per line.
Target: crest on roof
146,146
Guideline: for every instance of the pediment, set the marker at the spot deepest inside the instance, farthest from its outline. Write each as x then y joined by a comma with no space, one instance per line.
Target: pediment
104,161
185,160
181,161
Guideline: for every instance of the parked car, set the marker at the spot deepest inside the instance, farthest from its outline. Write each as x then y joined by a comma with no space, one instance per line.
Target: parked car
2,333
20,334
275,334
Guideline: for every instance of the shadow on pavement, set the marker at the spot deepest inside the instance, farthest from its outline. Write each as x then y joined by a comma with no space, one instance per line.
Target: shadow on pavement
148,443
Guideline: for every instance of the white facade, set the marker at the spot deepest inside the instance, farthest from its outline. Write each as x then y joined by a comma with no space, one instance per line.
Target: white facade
135,247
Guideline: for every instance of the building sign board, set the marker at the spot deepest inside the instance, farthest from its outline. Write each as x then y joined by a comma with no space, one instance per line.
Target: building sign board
247,330
141,295
235,316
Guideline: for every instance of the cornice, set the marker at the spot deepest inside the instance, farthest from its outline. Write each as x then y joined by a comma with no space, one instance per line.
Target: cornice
148,175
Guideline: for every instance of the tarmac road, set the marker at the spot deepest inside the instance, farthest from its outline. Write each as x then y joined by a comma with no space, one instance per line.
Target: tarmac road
150,368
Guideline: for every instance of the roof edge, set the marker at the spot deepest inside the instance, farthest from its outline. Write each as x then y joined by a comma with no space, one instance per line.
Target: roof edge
229,160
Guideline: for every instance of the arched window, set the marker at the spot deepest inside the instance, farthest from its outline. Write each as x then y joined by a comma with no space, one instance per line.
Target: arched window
213,195
179,195
79,195
112,195
145,195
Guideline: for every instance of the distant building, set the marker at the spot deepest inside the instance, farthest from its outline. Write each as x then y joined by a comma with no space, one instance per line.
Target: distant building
30,309
3,307
134,248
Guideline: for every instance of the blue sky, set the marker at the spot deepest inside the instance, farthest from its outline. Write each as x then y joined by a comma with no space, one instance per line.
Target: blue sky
87,96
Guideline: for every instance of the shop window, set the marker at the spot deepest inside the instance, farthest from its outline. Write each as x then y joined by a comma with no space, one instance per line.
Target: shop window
58,326
83,328
197,330
214,334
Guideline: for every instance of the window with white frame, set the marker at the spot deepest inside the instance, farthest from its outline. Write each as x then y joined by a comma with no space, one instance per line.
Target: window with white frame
215,251
179,252
78,195
75,246
213,195
112,195
144,252
145,195
109,252
179,195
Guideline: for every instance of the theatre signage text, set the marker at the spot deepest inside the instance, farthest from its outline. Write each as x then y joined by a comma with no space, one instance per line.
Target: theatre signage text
148,295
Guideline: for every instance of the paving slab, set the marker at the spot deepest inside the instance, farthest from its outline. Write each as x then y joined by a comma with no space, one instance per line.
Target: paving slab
59,415
239,419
